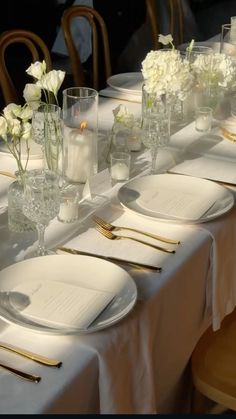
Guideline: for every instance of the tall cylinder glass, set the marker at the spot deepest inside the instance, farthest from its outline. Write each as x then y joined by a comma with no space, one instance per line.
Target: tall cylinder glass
80,133
155,123
47,131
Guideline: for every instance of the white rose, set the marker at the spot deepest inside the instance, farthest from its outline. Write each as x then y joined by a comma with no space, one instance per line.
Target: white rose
3,127
26,131
26,113
11,111
32,93
52,81
37,69
165,39
15,127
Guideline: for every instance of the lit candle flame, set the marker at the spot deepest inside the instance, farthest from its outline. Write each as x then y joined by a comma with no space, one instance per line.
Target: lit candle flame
83,125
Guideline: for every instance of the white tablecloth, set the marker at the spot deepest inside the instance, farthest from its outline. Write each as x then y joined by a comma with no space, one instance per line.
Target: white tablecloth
141,364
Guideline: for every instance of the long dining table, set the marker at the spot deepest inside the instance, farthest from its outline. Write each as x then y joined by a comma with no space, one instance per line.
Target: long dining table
141,364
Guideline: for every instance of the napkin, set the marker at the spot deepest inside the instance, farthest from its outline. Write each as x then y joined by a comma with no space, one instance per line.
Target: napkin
116,94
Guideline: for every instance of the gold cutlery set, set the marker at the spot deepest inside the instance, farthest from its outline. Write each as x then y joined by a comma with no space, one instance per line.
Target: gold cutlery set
30,355
106,229
136,265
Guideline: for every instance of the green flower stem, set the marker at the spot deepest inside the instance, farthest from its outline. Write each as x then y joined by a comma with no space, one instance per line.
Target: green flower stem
15,150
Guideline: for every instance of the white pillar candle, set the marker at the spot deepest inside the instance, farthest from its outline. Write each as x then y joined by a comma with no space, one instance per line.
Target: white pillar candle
68,211
80,155
120,171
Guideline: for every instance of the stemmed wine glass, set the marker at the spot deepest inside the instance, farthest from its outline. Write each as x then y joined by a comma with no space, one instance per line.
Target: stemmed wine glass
41,201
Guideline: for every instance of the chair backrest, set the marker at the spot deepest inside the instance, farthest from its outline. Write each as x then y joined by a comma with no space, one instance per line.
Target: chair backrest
176,21
35,46
99,31
152,15
213,364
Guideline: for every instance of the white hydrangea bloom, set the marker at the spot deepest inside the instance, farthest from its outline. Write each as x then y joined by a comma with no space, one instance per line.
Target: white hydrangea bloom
216,68
164,71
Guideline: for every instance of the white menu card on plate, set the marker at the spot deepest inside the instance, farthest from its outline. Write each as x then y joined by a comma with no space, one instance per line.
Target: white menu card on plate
60,304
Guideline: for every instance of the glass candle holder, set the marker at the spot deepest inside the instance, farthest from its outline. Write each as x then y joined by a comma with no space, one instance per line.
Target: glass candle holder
80,131
120,166
203,119
69,211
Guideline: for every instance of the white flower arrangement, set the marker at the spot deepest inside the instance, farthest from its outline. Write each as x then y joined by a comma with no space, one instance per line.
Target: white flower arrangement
46,83
217,69
15,127
15,122
166,72
124,119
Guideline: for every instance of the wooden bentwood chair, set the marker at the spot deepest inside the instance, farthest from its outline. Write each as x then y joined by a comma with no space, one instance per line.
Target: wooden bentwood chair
36,47
176,21
98,26
214,366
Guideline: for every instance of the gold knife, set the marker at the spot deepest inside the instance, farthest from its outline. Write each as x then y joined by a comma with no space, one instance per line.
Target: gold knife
111,259
31,355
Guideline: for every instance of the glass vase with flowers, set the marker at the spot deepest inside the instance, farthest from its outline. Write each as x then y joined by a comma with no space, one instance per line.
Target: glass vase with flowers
167,72
15,130
125,134
42,97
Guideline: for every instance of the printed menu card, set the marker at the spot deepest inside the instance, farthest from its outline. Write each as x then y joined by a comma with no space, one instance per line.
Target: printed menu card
57,303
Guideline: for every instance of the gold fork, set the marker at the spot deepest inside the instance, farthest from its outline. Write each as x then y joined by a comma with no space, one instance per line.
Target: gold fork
20,373
111,227
112,236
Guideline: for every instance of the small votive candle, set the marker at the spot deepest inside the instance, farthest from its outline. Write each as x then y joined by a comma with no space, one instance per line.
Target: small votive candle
68,212
120,166
203,119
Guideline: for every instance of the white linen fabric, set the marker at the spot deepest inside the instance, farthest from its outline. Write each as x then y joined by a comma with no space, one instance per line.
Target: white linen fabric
141,364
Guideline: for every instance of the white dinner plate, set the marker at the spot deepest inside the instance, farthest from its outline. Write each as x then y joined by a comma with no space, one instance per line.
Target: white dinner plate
229,49
84,271
127,82
34,153
176,198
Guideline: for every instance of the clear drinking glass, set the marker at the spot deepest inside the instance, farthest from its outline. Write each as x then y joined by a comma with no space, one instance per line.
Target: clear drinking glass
120,166
203,119
155,123
80,131
41,201
47,131
228,39
151,138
